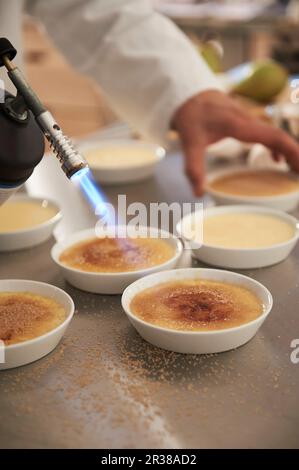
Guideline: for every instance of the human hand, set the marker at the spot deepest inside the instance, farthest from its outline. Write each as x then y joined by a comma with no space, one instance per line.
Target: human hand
212,115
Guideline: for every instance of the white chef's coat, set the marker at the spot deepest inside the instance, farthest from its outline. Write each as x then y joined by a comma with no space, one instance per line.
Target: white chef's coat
142,61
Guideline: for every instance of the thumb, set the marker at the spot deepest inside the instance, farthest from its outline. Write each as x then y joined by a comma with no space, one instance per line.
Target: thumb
195,165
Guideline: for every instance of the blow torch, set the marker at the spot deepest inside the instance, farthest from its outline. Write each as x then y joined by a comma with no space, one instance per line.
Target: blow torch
23,122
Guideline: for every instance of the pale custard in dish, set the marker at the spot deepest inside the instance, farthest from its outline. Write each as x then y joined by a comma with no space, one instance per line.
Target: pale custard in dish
246,230
197,305
23,215
25,316
112,156
261,183
114,255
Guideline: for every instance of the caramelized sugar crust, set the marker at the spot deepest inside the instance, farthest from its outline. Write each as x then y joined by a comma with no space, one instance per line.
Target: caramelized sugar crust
117,254
256,183
25,316
197,305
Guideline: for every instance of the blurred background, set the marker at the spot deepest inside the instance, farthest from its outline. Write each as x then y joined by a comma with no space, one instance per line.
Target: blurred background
227,33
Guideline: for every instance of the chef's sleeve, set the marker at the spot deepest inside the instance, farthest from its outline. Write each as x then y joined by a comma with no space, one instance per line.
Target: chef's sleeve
144,64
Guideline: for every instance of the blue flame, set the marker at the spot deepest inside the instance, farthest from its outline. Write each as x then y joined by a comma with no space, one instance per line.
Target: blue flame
97,199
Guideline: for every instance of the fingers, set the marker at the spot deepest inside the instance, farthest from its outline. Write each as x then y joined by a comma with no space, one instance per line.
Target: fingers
275,139
277,157
195,167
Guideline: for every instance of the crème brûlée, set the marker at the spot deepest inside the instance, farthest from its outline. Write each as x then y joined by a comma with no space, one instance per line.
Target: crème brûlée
25,316
112,156
246,230
259,183
23,215
114,255
197,305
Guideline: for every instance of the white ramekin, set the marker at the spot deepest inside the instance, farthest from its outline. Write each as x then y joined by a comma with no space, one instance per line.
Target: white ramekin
18,354
27,238
110,283
241,258
284,202
197,342
124,174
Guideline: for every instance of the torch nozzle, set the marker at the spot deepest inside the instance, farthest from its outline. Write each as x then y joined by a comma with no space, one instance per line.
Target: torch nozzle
70,159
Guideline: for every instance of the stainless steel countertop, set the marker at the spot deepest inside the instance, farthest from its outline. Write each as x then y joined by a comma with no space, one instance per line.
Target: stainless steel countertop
105,387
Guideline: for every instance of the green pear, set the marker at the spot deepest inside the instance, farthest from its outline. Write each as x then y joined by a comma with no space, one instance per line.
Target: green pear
212,53
266,79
